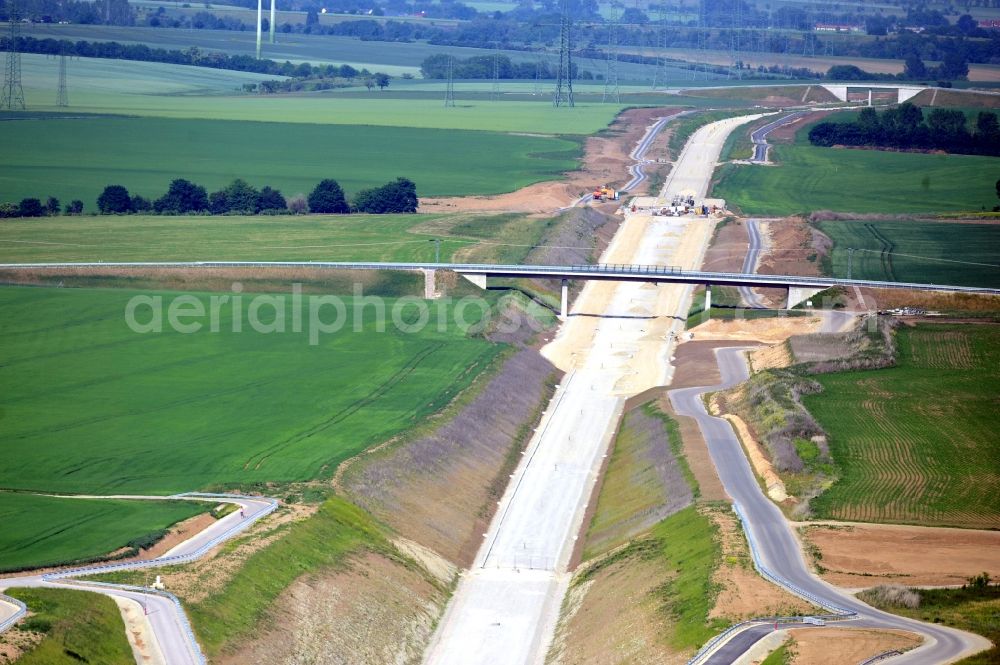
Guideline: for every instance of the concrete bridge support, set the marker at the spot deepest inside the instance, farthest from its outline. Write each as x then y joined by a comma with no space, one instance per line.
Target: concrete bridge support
708,301
564,300
430,283
798,295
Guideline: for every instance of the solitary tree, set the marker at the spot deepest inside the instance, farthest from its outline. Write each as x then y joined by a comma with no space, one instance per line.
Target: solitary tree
298,205
74,207
381,80
52,206
114,200
328,197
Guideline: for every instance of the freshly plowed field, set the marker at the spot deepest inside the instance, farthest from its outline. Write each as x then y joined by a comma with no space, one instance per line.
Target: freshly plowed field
917,443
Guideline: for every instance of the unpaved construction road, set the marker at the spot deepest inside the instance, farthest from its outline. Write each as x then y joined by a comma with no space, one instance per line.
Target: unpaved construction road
615,344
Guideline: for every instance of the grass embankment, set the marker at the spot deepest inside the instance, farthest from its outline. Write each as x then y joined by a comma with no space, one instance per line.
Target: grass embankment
100,408
974,608
648,475
78,626
916,443
780,656
647,478
916,251
211,153
45,530
323,541
810,178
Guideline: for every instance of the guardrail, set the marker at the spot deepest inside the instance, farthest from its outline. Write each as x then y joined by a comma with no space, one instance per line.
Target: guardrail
837,613
22,609
68,576
882,656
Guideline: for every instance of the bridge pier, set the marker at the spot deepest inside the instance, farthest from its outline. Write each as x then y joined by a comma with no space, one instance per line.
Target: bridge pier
564,300
708,301
430,292
799,294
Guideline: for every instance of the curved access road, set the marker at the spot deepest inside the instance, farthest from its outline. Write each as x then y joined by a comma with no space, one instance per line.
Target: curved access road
775,547
167,624
750,298
759,137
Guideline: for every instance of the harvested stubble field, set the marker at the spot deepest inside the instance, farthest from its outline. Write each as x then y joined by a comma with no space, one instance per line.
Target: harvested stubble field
110,238
930,252
916,443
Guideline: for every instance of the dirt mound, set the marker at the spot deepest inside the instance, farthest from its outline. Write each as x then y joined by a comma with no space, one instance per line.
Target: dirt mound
836,646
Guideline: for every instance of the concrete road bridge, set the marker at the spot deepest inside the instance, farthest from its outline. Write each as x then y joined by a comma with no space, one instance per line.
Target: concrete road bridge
799,288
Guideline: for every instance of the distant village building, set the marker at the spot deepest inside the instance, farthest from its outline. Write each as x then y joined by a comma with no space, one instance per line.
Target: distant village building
990,24
839,27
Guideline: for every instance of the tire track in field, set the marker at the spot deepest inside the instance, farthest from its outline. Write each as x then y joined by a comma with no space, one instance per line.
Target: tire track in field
256,460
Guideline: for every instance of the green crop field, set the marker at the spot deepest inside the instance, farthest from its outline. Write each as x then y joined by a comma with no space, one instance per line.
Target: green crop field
77,627
917,443
97,86
288,156
917,251
91,406
807,178
45,530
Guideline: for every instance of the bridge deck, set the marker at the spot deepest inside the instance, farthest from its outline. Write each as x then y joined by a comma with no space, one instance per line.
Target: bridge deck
609,272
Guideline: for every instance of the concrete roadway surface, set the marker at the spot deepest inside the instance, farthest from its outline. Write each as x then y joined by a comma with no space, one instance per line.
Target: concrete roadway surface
776,545
759,137
506,606
166,631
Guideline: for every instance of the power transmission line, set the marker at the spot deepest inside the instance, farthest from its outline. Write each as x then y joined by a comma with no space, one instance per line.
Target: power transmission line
564,76
612,91
62,97
495,93
13,93
660,73
449,94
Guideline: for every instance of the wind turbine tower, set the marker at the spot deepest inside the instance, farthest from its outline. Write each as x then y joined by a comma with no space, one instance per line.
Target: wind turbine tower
271,25
260,9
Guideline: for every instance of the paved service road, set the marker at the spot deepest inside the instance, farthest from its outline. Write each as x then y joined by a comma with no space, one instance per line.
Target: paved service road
165,622
759,137
751,299
777,548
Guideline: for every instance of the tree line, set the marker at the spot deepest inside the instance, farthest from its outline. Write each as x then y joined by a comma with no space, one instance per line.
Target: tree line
904,127
184,197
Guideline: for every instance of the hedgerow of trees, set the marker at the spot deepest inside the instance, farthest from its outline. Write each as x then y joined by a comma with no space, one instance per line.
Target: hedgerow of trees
184,197
905,127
